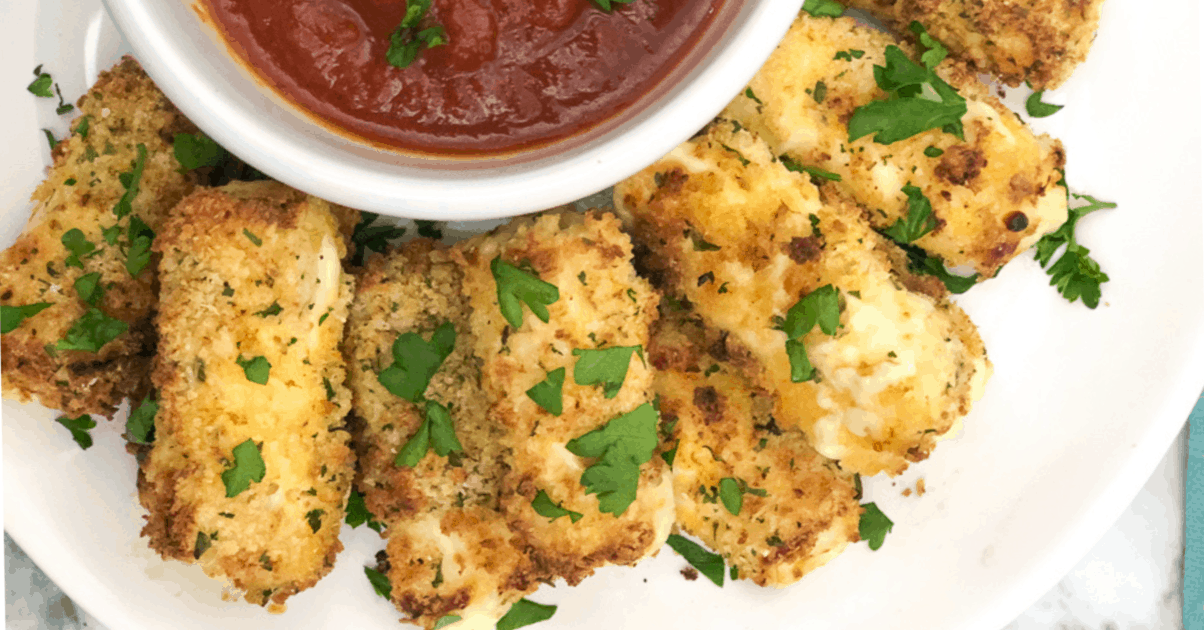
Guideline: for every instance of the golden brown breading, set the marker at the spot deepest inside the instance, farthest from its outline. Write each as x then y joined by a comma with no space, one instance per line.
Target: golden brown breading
603,303
994,195
731,230
1039,41
122,111
450,549
724,429
250,270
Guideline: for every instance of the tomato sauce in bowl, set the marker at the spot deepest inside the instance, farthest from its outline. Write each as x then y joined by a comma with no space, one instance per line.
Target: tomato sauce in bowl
514,75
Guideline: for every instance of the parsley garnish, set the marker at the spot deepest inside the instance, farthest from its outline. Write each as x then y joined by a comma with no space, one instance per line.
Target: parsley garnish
918,101
920,262
919,220
543,506
671,455
407,39
732,491
874,526
274,309
79,428
436,431
84,124
707,563
515,287
247,467
701,244
819,92
823,8
607,367
358,514
936,51
1038,109
50,139
446,620
130,179
416,360
140,236
849,55
429,229
11,317
92,331
525,612
41,85
194,151
621,446
380,582
933,152
813,171
1075,274
79,246
256,369
251,237
140,427
822,307
547,393
748,93
314,519
368,237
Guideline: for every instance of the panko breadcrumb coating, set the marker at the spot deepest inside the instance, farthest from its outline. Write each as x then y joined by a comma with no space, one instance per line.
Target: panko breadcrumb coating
1038,41
249,271
731,230
994,195
123,111
799,509
450,550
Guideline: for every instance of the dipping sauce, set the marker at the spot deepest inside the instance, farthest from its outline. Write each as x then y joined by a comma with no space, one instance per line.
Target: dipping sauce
514,74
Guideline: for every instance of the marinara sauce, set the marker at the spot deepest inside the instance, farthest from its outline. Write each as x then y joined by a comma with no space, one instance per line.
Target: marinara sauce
514,74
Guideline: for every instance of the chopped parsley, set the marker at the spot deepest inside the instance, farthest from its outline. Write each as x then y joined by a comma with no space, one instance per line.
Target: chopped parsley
416,361
84,124
256,369
849,55
1075,274
707,563
919,219
79,246
247,467
436,432
79,428
130,180
813,171
917,101
920,262
933,152
874,525
543,506
368,237
819,92
1038,108
620,447
516,287
140,237
732,491
823,8
408,40
547,393
41,84
92,331
820,307
194,151
606,366
701,244
934,51
251,237
446,620
525,612
429,229
140,426
50,139
748,93
380,582
11,317
274,309
358,514
314,519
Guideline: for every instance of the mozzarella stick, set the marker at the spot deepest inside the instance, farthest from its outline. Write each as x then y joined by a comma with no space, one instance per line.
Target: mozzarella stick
250,468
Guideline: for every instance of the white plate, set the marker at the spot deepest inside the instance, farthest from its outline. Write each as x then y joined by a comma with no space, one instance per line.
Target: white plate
1082,406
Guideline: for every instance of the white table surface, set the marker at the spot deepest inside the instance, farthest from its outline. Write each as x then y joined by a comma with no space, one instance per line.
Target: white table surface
1131,580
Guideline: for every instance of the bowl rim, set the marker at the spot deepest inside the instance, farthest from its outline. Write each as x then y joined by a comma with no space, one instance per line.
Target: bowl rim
453,194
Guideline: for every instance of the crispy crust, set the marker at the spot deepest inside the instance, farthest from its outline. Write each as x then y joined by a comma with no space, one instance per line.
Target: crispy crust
124,109
219,291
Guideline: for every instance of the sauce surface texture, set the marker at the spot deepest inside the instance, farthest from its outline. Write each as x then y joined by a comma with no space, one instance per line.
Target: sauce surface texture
513,75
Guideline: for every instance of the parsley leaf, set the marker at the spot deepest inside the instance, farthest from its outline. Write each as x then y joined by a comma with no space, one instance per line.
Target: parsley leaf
407,39
140,426
607,6
707,563
84,124
621,446
515,287
314,519
92,331
919,220
256,369
416,360
140,236
247,467
446,620
368,237
543,506
822,307
748,93
79,246
436,431
849,55
671,455
525,612
88,287
358,514
131,179
41,85
732,491
79,428
194,151
50,139
607,366
823,8
429,229
11,317
936,51
380,582
874,526
547,393
919,262
258,242
813,171
274,309
917,101
1076,275
1038,109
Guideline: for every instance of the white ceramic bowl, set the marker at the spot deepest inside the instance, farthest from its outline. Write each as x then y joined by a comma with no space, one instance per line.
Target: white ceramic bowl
192,64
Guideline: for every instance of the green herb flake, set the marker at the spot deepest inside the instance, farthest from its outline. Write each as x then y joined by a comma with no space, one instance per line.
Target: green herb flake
819,92
671,455
823,8
407,40
84,125
79,428
140,426
78,245
195,151
429,229
700,245
1075,274
416,360
11,317
813,171
436,431
934,51
50,139
544,506
367,237
140,237
934,152
445,621
41,84
130,180
380,582
274,309
256,369
917,100
251,237
874,526
525,612
606,366
547,393
820,307
707,563
730,495
849,55
748,93
248,466
1038,108
358,514
92,331
919,262
516,287
314,519
919,220
620,447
